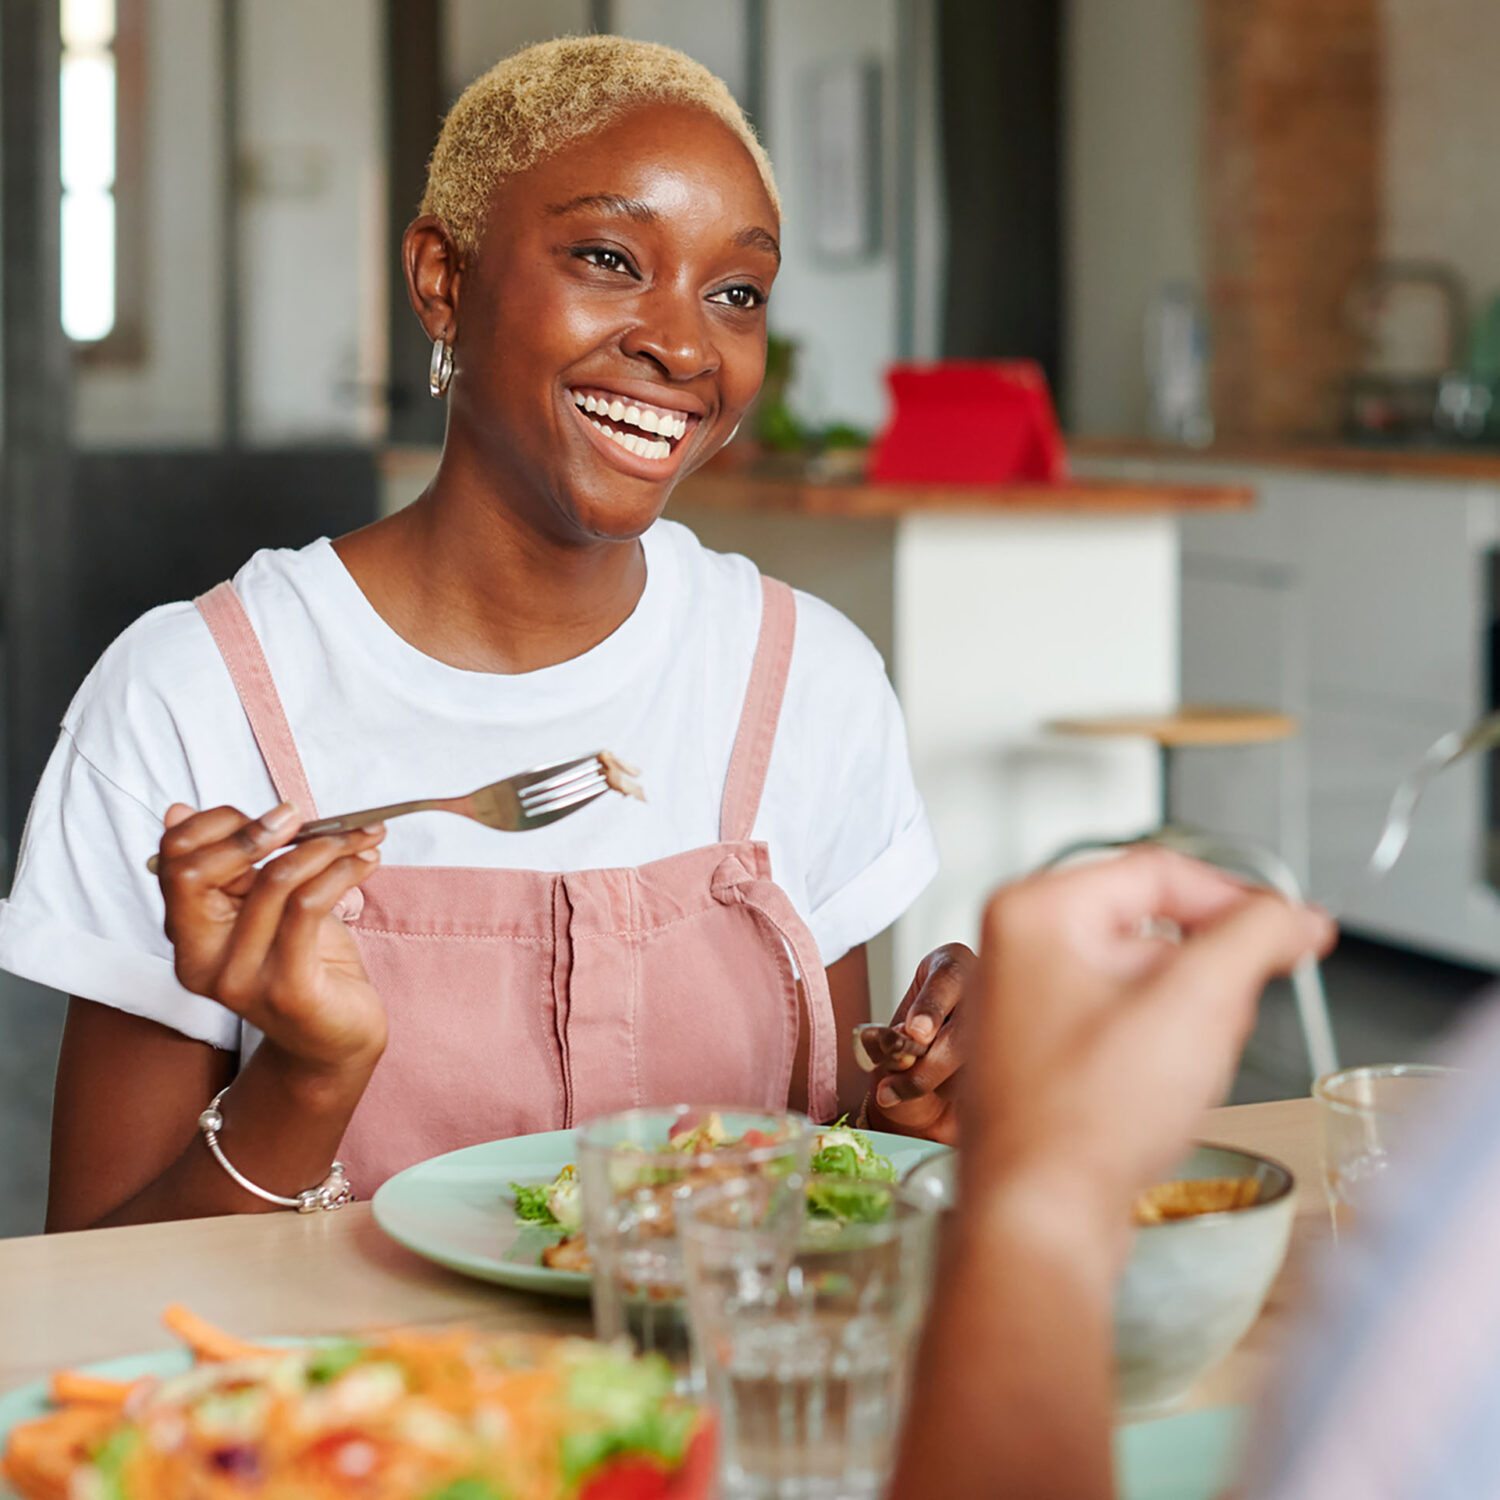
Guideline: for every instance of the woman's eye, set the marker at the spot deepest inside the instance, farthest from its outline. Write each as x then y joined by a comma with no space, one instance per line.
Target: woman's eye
603,257
742,297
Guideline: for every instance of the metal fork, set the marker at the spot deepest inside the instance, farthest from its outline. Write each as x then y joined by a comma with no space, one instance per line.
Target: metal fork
529,799
1483,734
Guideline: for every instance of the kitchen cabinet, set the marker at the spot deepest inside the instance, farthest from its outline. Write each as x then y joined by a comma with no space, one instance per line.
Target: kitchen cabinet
1363,604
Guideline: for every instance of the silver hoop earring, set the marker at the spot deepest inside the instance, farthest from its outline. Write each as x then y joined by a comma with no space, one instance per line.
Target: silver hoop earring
440,369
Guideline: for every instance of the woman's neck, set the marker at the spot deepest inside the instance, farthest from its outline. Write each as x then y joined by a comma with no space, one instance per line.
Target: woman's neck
466,580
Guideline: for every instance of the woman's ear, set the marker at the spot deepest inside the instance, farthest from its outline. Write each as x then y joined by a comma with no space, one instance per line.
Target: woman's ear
433,271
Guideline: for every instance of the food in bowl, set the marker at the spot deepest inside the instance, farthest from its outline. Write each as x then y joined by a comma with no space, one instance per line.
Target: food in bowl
403,1415
1187,1198
1193,1285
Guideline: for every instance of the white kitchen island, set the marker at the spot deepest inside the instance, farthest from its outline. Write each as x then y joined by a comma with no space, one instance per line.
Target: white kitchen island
996,610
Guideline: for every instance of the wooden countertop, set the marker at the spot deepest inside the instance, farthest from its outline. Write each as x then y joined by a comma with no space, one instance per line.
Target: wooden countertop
731,489
71,1298
746,491
1476,465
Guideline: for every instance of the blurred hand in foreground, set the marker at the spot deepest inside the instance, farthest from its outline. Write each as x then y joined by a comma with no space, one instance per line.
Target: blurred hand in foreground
1108,1010
1105,1013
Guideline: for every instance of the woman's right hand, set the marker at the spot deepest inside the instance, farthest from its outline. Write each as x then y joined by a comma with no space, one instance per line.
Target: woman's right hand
263,942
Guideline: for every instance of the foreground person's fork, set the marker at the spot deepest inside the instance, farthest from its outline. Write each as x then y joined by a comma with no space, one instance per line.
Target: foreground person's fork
1483,734
529,799
877,1046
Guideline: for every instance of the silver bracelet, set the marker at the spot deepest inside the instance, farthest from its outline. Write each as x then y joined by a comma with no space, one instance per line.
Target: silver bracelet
333,1192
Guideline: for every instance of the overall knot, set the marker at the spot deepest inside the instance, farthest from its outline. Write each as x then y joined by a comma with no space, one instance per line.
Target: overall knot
743,867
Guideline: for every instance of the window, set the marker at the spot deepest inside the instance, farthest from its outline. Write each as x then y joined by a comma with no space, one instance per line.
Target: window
100,113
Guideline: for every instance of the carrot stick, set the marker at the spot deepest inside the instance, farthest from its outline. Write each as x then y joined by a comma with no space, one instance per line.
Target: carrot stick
69,1388
208,1344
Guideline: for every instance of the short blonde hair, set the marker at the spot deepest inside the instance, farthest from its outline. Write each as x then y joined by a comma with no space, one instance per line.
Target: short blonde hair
545,97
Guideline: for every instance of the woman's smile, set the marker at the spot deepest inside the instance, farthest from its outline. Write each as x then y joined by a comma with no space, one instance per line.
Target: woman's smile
646,437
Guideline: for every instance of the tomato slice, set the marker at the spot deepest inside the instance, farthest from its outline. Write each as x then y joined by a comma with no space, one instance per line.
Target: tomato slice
640,1478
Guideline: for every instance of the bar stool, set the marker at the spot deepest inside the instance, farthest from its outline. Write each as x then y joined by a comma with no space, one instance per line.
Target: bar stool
1191,726
1200,725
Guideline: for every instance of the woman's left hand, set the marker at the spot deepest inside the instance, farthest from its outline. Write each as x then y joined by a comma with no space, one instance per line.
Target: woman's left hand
917,1099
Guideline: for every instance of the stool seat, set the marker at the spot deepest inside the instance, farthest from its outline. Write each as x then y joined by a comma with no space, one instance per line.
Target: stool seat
1188,725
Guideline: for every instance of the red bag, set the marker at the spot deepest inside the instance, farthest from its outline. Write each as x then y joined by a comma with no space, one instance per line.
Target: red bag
970,421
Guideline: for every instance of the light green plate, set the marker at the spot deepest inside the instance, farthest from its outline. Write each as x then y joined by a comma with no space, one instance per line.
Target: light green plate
458,1209
28,1402
1194,1456
1191,1457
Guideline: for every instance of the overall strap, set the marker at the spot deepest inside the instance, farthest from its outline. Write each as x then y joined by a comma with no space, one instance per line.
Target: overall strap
240,647
758,720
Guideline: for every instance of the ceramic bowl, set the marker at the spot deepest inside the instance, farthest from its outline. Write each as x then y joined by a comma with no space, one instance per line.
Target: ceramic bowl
1192,1287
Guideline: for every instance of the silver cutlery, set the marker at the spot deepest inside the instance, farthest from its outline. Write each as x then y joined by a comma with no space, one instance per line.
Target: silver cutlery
886,1046
527,800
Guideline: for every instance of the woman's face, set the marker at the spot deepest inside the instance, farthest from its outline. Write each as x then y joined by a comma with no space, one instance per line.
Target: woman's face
611,329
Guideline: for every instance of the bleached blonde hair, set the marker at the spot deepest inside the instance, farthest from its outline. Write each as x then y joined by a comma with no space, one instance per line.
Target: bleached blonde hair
545,97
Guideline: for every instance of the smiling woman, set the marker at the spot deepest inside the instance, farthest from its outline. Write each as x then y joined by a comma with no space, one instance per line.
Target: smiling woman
598,243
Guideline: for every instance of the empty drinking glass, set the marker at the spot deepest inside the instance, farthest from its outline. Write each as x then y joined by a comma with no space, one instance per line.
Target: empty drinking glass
803,1324
1366,1114
635,1170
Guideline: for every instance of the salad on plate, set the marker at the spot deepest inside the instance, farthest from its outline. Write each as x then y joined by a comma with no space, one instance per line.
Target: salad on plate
842,1159
407,1414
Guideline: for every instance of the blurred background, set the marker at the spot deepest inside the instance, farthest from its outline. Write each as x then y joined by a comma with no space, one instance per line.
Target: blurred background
1252,245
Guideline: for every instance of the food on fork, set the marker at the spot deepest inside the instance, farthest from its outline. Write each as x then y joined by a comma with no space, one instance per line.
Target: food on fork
620,777
403,1415
839,1152
1189,1198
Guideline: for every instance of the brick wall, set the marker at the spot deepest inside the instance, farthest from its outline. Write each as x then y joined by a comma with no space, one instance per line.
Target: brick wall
1292,161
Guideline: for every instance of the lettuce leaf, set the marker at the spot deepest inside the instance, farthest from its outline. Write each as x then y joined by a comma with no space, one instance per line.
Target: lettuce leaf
531,1202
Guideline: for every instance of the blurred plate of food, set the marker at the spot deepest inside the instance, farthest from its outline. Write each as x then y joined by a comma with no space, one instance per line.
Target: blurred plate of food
404,1412
503,1210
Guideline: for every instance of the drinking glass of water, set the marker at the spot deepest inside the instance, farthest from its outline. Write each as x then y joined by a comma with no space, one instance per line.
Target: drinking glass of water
804,1309
1366,1113
636,1169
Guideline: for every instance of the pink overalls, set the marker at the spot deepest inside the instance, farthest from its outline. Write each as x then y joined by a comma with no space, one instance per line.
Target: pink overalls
522,1000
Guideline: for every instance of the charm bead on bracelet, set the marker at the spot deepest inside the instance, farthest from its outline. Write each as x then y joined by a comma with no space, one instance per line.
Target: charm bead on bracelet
333,1192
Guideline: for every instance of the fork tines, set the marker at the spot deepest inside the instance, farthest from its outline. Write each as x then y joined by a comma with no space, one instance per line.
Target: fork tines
567,785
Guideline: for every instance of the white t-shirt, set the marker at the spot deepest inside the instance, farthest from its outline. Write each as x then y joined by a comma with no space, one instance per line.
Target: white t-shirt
376,721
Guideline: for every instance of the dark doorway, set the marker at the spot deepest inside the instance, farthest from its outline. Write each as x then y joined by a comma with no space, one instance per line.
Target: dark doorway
1001,81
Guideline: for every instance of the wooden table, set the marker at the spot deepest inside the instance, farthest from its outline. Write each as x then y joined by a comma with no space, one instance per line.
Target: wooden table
70,1298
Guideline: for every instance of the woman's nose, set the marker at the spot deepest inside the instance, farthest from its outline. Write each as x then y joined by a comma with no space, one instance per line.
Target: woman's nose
672,333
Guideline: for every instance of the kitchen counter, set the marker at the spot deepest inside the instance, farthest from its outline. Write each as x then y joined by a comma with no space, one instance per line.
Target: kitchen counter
1477,464
747,490
406,470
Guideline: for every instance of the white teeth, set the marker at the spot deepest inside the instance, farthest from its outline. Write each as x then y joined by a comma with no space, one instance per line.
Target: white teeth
642,418
634,443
